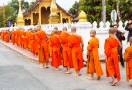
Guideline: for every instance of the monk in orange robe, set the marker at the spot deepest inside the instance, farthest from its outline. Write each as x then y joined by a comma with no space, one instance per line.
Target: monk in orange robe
111,52
6,36
26,39
128,59
93,63
67,55
58,31
13,37
2,35
16,41
32,42
43,50
75,42
56,55
36,43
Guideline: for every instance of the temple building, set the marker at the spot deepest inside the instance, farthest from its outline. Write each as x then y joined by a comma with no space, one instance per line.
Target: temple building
40,13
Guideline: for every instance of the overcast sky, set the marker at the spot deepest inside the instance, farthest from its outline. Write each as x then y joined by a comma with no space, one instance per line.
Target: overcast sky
66,4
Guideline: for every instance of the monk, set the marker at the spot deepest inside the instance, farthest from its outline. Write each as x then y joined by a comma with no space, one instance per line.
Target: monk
75,42
6,36
111,52
58,31
36,43
13,37
67,56
128,59
43,50
49,47
56,55
32,42
93,63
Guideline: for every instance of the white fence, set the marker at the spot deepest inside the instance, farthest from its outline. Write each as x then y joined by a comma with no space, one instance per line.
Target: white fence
83,29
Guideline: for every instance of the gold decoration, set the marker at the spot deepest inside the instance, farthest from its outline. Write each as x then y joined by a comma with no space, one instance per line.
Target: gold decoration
82,17
20,20
54,18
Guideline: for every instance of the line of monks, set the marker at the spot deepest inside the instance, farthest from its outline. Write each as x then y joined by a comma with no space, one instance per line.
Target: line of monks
66,49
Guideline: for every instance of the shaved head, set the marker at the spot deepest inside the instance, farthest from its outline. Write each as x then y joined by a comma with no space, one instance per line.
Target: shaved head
56,27
64,29
73,29
54,31
111,31
93,31
38,27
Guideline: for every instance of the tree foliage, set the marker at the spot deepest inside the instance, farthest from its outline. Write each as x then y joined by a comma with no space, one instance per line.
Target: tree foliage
9,15
74,10
15,5
93,9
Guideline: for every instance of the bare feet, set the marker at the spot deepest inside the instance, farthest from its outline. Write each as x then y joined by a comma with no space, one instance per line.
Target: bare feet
90,78
114,83
68,72
75,74
56,69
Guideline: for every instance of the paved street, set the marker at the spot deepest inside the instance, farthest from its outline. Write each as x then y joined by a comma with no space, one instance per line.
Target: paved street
17,73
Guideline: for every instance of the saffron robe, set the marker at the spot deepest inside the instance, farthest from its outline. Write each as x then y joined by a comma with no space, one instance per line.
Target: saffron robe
56,55
43,50
128,58
111,52
93,64
66,51
74,42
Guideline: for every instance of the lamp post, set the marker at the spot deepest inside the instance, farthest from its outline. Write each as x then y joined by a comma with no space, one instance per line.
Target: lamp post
3,13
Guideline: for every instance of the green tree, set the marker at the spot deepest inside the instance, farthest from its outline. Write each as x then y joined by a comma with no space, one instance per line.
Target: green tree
93,9
31,4
9,15
74,9
15,5
1,19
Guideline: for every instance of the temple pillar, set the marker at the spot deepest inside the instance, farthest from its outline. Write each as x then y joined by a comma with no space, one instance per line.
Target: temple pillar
39,21
31,18
69,20
61,17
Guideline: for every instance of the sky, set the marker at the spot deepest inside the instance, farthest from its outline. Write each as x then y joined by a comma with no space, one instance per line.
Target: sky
66,4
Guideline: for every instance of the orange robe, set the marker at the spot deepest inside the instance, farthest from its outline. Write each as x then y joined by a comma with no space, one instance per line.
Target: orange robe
111,52
128,58
59,33
32,43
50,48
56,56
3,34
93,64
17,37
26,39
36,44
6,37
13,37
66,51
43,50
77,57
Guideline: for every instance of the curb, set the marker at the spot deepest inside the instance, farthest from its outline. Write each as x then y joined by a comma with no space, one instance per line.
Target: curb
21,55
